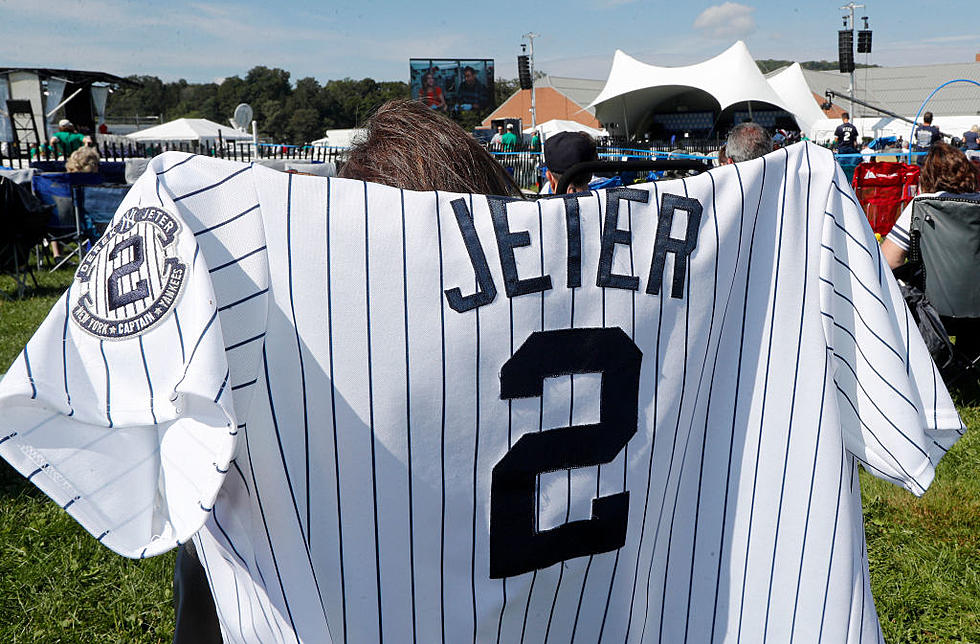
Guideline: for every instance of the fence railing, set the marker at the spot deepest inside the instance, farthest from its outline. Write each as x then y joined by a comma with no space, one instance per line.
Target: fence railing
115,150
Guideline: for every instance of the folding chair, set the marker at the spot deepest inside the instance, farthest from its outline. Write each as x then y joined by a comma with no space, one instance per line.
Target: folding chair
884,188
945,238
55,189
22,226
95,206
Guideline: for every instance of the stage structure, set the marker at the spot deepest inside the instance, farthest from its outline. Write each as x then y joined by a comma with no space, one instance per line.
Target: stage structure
702,101
52,94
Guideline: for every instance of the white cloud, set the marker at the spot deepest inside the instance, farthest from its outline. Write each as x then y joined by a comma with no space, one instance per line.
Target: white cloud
726,21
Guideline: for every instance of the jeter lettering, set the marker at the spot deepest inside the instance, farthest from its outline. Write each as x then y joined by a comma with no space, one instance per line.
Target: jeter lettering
614,240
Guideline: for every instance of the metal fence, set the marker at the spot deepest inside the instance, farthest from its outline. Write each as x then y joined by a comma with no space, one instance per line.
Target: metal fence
115,150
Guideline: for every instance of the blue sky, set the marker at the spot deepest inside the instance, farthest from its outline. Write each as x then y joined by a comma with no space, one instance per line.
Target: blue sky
207,40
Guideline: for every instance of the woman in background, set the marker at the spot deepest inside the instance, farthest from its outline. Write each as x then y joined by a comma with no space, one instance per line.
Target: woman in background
946,169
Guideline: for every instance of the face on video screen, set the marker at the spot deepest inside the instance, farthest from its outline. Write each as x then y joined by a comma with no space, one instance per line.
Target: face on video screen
457,85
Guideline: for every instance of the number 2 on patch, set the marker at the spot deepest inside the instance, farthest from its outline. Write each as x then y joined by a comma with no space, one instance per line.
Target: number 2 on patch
516,546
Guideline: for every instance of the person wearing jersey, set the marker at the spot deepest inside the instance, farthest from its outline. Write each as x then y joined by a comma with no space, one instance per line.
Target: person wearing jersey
846,136
925,136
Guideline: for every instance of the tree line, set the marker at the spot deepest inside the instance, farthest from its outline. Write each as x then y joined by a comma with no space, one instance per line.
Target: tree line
286,112
767,65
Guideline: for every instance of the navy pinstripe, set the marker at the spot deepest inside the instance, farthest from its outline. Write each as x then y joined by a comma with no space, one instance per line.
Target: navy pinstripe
333,420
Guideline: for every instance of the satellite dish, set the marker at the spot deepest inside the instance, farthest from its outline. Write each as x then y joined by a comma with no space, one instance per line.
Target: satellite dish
243,116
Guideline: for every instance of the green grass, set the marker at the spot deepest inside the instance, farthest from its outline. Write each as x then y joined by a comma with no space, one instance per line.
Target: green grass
57,584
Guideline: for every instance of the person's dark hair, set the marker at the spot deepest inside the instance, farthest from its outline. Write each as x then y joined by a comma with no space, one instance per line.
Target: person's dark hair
946,169
470,70
410,146
845,115
927,118
747,141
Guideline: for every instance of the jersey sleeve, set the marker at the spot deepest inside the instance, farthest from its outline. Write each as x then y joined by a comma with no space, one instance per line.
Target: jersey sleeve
119,407
896,415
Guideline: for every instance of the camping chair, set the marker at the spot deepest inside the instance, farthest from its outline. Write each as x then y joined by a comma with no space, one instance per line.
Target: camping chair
22,225
945,239
55,189
883,188
95,206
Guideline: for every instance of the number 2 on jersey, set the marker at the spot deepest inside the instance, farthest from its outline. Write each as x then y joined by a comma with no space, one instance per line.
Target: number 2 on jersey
516,545
118,298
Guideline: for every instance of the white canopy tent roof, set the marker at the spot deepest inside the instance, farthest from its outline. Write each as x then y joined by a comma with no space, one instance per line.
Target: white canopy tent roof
731,77
201,130
791,86
554,126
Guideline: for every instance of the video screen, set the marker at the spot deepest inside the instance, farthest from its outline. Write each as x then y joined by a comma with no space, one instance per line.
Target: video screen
452,85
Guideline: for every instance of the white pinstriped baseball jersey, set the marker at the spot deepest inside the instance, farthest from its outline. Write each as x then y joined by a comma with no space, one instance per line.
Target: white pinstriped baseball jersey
631,415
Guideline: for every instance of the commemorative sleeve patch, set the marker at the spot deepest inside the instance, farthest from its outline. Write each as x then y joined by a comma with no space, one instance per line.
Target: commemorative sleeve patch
132,277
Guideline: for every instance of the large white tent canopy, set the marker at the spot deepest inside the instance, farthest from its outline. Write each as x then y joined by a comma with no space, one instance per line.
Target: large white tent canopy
732,77
201,130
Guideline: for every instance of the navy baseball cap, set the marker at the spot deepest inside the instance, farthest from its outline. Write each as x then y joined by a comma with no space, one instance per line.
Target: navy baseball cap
565,149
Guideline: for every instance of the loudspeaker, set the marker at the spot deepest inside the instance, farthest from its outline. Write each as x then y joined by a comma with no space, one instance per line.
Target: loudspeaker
845,51
864,41
524,72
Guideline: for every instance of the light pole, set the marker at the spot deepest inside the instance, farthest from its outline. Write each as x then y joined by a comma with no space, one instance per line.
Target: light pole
530,36
849,24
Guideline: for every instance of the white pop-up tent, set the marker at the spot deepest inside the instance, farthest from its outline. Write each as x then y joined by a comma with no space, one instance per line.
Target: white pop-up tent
732,77
201,130
341,138
554,126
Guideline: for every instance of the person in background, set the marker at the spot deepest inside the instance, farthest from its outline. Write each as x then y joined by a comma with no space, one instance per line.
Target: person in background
536,142
84,159
971,139
509,140
40,151
431,94
561,152
67,139
945,169
722,155
746,141
924,137
846,136
498,137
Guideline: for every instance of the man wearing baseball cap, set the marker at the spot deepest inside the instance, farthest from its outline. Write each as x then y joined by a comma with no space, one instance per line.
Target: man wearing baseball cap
509,139
66,140
561,152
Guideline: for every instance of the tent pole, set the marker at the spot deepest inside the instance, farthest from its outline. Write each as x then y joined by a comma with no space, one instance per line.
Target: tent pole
626,121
